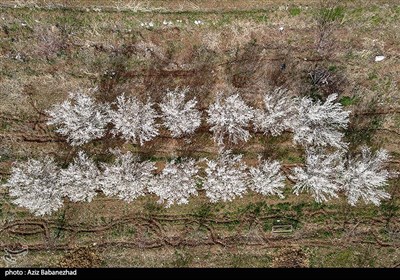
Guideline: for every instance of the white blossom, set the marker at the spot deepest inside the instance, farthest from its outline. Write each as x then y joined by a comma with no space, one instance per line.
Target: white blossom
278,115
364,177
134,120
267,178
34,184
230,117
226,177
126,178
180,117
319,175
81,179
176,183
79,118
318,124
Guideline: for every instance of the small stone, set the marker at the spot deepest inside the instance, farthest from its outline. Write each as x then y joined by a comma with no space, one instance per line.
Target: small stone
379,58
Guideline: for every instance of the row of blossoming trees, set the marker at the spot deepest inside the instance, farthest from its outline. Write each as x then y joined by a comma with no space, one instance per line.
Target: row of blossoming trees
41,186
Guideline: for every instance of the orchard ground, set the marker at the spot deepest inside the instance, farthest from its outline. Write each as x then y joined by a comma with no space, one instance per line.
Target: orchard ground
144,47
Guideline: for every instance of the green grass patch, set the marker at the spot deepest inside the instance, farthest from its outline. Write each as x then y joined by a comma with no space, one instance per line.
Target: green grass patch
256,209
231,226
294,11
347,100
203,212
267,225
341,258
376,20
364,132
283,206
152,207
330,14
181,259
299,208
295,159
372,75
389,209
332,68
